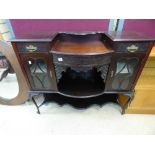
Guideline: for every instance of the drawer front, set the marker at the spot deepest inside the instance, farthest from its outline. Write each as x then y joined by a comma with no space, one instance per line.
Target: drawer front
131,47
33,47
81,60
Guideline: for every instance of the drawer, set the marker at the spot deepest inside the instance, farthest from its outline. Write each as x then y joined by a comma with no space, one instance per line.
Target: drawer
33,47
82,59
131,47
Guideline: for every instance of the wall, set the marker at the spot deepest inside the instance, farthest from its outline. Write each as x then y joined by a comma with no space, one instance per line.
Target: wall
146,26
23,26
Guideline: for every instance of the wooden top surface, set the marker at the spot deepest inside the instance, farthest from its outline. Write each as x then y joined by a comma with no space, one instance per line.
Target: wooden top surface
35,37
46,36
80,48
129,36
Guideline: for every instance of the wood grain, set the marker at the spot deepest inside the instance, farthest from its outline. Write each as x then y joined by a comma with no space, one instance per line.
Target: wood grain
80,44
22,96
86,47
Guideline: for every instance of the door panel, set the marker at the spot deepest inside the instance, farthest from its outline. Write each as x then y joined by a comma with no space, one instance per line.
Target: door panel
123,72
40,71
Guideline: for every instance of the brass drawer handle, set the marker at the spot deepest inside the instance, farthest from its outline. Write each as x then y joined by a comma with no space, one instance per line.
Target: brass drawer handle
132,48
31,48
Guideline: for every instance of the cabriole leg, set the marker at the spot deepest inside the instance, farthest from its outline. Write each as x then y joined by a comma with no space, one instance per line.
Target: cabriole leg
127,102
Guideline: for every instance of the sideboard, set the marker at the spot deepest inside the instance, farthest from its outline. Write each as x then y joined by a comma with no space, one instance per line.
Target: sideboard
82,64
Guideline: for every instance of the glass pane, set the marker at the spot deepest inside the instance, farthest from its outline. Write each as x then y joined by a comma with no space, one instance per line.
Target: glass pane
39,75
132,64
121,67
121,82
124,83
124,73
126,65
115,83
37,66
8,81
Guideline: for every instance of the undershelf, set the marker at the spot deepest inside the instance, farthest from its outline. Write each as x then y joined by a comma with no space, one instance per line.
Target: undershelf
81,84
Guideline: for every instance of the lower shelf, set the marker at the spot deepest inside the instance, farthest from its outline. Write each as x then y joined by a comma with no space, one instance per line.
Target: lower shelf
81,84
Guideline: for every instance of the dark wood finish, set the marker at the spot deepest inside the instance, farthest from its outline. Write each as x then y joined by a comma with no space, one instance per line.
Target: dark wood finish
123,71
76,58
80,44
125,36
82,60
40,71
32,47
131,47
35,37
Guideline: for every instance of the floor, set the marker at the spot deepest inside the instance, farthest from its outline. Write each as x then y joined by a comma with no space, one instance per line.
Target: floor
58,118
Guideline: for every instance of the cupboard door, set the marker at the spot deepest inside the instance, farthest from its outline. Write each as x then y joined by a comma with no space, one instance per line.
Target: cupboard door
123,73
40,71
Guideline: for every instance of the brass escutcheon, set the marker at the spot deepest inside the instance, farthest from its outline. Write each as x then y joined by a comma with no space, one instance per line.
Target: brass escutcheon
132,48
31,48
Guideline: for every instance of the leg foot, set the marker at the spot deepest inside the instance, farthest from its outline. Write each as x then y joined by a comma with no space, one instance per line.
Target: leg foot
130,96
38,111
32,97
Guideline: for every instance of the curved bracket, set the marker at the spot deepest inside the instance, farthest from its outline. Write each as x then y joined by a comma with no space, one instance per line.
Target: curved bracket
22,96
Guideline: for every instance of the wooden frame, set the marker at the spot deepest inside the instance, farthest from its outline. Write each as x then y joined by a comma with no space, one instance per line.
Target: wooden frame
22,96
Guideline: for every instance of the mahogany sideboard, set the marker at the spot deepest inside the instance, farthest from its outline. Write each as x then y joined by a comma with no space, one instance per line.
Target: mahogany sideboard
83,64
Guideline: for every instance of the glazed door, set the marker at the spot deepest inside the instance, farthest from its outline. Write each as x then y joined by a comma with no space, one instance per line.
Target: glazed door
40,71
123,72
